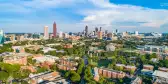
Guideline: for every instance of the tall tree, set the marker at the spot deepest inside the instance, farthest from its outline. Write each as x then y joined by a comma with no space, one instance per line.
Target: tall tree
4,75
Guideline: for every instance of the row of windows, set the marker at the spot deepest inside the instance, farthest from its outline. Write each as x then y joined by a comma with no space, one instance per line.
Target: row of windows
153,49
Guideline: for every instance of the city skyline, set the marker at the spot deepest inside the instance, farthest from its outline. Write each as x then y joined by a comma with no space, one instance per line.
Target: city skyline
29,16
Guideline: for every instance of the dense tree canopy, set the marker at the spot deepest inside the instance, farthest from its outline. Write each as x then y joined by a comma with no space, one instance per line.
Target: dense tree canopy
6,48
80,67
88,76
73,76
4,75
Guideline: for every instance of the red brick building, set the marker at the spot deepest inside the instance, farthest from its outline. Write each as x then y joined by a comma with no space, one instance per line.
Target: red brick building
109,73
67,65
68,46
148,67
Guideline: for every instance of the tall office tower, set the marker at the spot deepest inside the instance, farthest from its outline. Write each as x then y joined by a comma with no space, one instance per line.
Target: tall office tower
46,34
109,35
116,31
66,35
96,29
21,38
106,32
13,37
136,33
125,33
25,36
93,33
100,28
100,34
60,34
86,31
54,30
2,38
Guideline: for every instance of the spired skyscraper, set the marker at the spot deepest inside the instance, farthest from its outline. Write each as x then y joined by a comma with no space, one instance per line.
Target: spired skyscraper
54,30
2,39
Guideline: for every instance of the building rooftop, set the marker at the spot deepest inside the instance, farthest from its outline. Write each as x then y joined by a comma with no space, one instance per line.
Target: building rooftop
112,70
155,46
120,65
45,58
161,74
129,66
147,65
137,80
163,68
146,70
47,49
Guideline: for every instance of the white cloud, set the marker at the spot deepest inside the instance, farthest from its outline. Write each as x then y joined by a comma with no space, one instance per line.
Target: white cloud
10,7
127,26
108,13
26,6
95,12
44,4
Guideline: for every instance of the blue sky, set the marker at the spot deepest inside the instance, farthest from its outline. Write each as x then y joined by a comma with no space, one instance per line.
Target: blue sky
73,15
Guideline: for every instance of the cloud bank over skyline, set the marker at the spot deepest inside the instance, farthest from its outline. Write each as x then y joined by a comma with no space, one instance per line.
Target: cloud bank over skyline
73,15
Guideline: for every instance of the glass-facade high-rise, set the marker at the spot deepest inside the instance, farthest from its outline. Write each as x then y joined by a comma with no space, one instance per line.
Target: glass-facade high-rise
1,37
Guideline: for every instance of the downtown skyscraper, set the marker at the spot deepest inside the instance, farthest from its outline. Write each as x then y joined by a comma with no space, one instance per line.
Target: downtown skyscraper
86,31
54,30
2,37
96,29
46,33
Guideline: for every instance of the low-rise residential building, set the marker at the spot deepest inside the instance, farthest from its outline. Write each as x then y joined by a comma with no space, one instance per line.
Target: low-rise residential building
96,43
67,65
138,80
129,68
165,57
41,77
126,67
110,47
74,38
59,80
109,73
163,69
147,72
160,77
5,54
33,47
120,65
154,49
96,74
68,46
93,48
155,60
16,60
31,68
47,49
55,44
68,62
148,67
60,51
46,58
46,64
18,49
